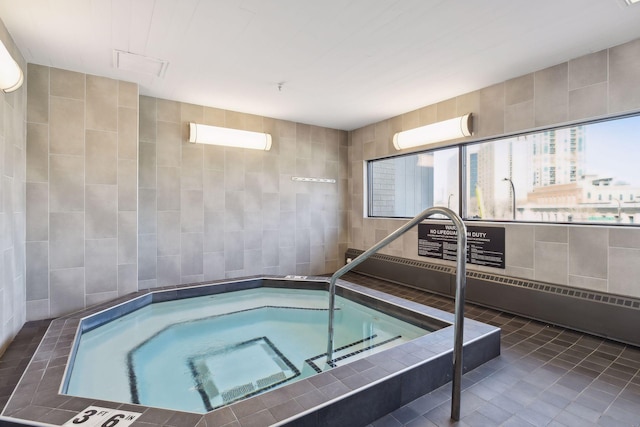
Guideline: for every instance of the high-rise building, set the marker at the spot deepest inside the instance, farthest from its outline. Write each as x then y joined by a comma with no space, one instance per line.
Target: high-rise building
558,156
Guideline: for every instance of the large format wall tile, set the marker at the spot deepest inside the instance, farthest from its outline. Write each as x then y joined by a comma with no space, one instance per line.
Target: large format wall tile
101,211
227,212
624,65
624,270
591,87
37,152
67,183
102,103
127,238
589,70
66,242
551,100
168,270
586,102
38,202
37,271
13,221
168,233
65,297
520,246
101,265
588,247
66,126
82,190
128,133
101,157
551,262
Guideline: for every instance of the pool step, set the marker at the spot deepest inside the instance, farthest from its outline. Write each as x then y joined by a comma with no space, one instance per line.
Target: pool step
255,358
349,350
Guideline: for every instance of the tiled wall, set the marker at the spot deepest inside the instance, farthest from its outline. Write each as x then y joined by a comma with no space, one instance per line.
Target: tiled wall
600,84
210,212
81,191
12,203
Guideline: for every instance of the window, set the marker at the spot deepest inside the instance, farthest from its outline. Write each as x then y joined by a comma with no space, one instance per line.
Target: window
404,186
558,184
585,173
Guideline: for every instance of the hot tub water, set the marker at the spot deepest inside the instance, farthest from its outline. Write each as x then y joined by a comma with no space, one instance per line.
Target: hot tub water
201,353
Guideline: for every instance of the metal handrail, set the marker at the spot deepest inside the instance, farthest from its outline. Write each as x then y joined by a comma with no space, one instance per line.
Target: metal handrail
461,278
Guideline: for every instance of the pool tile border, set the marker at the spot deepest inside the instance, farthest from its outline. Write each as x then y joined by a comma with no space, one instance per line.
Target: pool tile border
390,378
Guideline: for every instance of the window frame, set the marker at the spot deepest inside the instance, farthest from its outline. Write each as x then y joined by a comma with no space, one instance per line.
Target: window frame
462,186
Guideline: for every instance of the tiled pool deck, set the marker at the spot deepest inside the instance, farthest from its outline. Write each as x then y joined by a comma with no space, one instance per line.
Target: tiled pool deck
317,400
545,375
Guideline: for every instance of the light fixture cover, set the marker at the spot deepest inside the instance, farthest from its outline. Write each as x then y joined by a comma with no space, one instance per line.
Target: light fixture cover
215,135
11,76
436,132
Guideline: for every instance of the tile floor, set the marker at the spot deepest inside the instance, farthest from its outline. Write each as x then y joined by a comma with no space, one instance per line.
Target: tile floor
545,376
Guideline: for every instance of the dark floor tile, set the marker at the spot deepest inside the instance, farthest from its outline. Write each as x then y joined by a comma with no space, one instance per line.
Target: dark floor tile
631,363
568,419
621,371
592,403
420,422
591,374
575,381
440,415
58,417
607,421
258,419
477,419
583,412
517,421
524,392
285,410
429,401
507,404
310,399
534,417
633,407
387,421
494,413
155,416
406,414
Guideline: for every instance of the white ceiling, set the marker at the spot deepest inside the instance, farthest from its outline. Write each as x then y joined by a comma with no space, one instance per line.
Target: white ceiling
342,63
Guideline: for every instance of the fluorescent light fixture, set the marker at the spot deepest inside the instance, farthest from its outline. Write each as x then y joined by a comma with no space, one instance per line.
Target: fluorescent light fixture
630,2
214,135
11,76
436,132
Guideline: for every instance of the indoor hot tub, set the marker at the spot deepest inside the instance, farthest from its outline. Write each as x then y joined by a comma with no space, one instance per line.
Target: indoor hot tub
198,354
168,353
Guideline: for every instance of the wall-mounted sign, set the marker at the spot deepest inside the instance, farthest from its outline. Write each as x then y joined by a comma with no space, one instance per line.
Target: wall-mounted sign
485,245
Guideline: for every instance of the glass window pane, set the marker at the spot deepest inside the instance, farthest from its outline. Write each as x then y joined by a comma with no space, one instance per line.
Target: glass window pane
585,173
404,186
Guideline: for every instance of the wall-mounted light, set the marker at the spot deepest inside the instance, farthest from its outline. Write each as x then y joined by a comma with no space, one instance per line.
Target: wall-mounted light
436,132
11,76
215,135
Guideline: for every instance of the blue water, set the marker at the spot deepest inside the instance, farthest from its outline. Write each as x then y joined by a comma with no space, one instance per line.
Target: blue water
201,353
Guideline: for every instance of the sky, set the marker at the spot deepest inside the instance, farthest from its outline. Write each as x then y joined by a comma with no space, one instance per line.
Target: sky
613,149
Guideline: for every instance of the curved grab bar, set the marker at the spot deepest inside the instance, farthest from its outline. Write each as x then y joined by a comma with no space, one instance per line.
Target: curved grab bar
461,279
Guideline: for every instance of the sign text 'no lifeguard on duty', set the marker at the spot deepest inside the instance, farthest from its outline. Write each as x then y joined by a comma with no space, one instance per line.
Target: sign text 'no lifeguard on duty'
485,245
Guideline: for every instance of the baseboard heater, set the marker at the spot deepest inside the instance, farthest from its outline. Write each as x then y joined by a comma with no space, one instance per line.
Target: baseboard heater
597,313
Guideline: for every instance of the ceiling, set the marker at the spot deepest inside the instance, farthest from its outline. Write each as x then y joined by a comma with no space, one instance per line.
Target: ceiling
336,63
